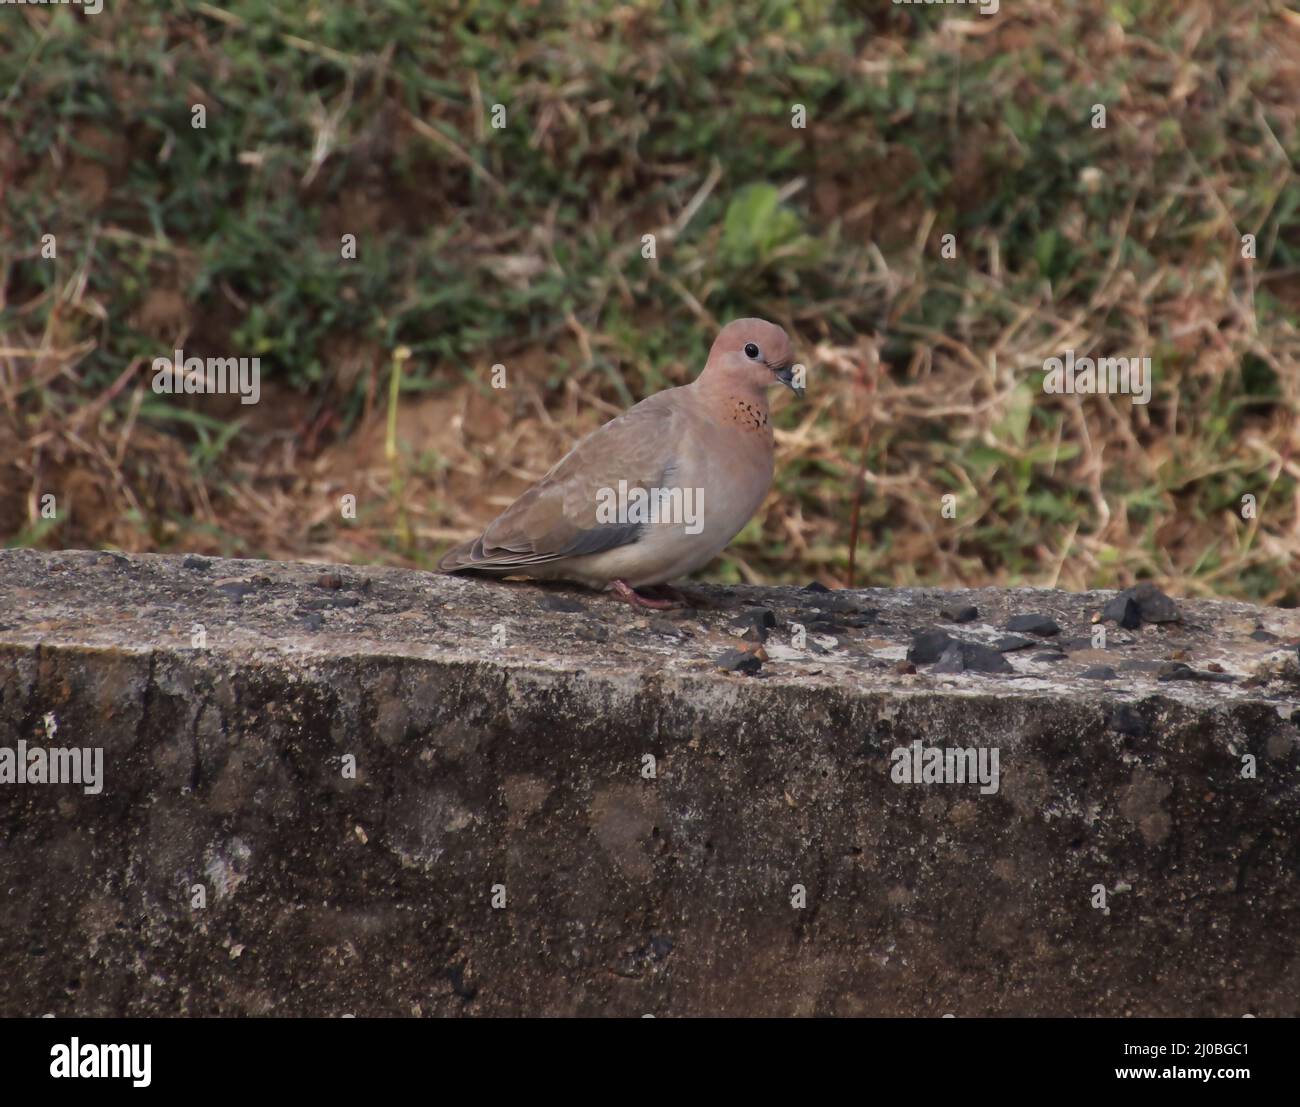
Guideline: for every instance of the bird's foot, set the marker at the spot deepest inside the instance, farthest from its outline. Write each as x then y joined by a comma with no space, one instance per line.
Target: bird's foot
628,594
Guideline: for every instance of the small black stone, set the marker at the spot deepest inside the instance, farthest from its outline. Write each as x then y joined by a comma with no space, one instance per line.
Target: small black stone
1012,642
193,561
1143,603
313,620
555,602
1033,624
979,658
958,614
826,626
738,661
1099,672
815,586
1048,657
1264,636
951,660
1153,605
971,657
846,603
1124,610
754,623
928,646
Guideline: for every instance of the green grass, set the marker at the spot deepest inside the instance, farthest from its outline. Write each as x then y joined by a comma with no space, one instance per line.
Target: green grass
478,245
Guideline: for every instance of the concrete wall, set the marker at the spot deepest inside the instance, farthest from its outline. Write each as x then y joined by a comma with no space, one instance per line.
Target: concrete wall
1139,856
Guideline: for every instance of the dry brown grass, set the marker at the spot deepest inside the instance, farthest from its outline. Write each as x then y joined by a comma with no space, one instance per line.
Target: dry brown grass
923,372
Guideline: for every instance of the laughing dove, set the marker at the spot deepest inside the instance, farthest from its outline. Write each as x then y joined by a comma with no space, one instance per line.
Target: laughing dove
657,492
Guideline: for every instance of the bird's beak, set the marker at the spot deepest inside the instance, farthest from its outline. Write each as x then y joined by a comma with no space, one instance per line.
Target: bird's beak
785,374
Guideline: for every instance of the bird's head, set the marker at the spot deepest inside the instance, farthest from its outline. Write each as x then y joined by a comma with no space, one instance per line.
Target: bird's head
755,353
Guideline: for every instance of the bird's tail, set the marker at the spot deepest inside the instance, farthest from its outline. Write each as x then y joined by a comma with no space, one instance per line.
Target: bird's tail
458,557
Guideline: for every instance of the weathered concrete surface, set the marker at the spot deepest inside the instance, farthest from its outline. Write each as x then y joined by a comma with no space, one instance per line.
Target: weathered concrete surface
498,742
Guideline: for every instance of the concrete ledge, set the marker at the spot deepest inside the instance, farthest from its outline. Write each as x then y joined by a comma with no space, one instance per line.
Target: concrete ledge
501,742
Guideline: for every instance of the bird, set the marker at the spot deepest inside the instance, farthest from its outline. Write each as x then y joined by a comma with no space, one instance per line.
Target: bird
657,492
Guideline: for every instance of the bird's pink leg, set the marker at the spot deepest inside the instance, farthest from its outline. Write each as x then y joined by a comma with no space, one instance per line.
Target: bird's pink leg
628,594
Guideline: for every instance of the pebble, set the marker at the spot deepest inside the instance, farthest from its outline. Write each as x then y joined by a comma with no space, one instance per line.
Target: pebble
971,657
958,614
1177,670
1124,610
1033,624
739,661
1143,603
928,646
826,626
1099,672
1012,642
753,624
845,603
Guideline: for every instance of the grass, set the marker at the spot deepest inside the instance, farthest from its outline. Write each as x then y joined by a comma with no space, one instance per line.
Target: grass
522,246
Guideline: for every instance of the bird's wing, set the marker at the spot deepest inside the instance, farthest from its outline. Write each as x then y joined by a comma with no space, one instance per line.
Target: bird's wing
557,517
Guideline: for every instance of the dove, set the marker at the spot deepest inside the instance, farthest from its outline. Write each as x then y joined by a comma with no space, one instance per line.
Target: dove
657,492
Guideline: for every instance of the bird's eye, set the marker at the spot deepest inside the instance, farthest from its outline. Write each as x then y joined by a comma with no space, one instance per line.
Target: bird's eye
751,350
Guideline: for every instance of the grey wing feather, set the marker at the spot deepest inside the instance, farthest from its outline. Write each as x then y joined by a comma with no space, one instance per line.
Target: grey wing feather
556,517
